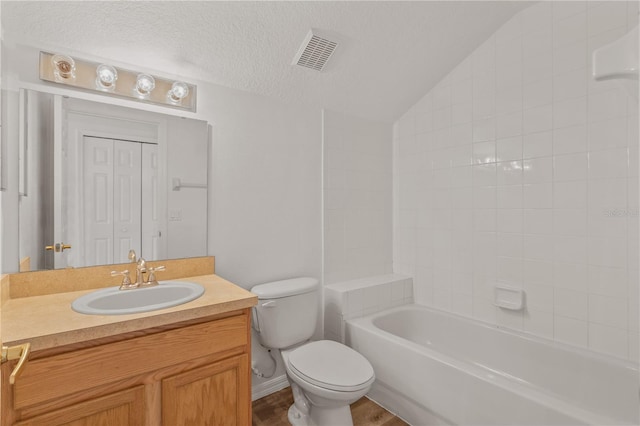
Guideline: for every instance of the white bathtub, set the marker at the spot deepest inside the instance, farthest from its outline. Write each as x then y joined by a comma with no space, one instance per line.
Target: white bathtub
436,367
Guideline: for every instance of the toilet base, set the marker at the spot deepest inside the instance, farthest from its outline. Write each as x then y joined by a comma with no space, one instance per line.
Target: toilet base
331,416
321,416
296,418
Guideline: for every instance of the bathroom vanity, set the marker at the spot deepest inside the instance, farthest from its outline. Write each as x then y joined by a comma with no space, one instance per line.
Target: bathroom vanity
189,364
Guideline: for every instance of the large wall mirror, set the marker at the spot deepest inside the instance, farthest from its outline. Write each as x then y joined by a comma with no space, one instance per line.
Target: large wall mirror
97,180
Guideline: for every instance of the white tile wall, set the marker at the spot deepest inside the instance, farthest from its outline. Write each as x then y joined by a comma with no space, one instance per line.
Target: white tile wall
519,168
357,203
364,296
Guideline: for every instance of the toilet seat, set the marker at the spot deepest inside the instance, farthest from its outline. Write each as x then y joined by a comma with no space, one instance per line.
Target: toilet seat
331,365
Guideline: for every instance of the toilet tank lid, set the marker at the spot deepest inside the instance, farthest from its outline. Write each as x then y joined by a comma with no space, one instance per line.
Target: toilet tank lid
284,288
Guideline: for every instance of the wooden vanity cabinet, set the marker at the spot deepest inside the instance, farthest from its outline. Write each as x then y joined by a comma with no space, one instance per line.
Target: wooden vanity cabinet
189,373
119,408
212,395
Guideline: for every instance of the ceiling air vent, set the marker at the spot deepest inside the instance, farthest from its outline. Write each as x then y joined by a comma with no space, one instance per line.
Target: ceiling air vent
314,52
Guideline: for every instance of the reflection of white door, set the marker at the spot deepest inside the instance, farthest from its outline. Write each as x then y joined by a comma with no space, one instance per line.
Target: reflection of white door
152,222
112,194
127,205
112,185
93,192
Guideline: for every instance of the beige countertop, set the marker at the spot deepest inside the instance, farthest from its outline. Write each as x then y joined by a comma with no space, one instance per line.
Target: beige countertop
47,321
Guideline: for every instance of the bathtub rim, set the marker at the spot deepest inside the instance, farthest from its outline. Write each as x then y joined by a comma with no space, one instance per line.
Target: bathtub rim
625,363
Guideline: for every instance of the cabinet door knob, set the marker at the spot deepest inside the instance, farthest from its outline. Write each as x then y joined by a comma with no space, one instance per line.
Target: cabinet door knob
19,352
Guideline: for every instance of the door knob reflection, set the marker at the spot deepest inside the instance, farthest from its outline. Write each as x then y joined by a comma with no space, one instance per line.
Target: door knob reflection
58,247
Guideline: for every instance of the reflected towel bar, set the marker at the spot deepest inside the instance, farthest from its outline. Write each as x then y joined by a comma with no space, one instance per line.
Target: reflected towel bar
177,184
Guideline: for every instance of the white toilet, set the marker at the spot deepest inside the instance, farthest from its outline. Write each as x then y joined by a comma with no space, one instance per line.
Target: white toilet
325,376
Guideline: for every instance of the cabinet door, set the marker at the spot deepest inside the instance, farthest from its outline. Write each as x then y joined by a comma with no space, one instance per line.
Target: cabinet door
120,408
216,394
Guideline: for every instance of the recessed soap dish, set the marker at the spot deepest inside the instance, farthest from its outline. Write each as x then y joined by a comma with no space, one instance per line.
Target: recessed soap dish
509,298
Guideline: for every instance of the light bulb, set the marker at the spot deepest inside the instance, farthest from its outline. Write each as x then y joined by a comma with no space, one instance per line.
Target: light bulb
64,67
178,92
106,77
144,85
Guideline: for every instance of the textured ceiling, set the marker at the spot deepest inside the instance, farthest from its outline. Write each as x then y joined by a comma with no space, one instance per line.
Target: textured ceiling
390,53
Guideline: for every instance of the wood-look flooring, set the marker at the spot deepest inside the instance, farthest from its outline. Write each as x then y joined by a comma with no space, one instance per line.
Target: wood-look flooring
272,411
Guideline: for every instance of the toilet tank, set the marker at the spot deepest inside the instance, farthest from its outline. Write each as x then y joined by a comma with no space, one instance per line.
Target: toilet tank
286,312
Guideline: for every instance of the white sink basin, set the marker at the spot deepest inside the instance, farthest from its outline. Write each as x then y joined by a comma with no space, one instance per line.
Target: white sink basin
113,301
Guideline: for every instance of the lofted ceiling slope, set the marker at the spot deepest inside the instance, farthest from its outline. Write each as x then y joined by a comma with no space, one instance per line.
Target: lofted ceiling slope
390,53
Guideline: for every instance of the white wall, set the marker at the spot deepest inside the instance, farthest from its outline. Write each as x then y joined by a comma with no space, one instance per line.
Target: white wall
187,150
518,168
9,195
36,230
357,197
266,218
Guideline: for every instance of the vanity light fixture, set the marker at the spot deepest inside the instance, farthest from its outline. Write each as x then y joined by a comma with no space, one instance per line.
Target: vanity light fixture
178,92
106,77
145,83
108,80
64,67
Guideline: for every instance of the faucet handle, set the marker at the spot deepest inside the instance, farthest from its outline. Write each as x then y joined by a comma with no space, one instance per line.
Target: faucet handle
126,280
151,279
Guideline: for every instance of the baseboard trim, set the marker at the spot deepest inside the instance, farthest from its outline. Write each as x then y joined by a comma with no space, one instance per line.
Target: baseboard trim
270,386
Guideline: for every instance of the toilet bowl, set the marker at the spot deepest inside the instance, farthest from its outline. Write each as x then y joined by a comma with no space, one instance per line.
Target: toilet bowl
326,377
